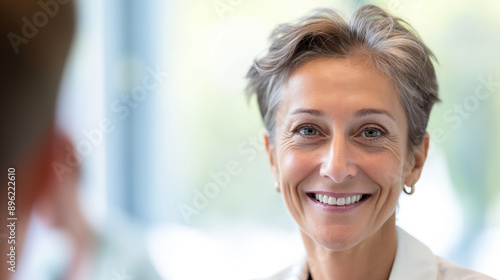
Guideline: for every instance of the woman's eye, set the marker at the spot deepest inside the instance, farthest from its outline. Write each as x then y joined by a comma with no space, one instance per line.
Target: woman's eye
308,131
371,133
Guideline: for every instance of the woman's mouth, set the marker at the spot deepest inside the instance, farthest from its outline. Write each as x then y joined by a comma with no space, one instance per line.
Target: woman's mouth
337,201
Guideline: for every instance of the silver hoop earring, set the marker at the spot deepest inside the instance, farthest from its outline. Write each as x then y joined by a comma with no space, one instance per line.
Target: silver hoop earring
409,192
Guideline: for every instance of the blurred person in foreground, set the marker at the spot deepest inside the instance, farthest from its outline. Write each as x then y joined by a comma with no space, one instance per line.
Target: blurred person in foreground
36,40
346,106
32,62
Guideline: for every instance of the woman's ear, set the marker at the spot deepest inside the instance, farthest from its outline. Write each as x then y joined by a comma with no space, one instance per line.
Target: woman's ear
271,153
418,159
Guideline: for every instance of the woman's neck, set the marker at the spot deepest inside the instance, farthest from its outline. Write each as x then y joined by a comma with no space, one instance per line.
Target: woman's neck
371,259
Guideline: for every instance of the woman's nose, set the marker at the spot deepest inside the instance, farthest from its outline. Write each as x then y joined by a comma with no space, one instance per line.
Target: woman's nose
337,162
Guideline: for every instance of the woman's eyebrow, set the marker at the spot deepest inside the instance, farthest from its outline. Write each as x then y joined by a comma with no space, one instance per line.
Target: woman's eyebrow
371,111
307,111
360,113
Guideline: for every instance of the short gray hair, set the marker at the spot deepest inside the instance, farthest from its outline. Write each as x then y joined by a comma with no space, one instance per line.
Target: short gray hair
390,44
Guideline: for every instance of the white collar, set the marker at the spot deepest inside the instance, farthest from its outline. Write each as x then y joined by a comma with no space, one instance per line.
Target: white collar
413,259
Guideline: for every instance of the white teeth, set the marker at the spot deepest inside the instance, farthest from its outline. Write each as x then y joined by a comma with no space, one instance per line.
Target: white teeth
341,201
337,201
332,201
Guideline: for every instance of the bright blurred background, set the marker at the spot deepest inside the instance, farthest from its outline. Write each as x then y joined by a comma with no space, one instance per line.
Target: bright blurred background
185,163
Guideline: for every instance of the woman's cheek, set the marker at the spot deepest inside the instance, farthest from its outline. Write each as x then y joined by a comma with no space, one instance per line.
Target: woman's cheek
383,168
296,165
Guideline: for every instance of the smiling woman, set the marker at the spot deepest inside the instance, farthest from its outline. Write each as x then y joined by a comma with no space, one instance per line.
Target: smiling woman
346,105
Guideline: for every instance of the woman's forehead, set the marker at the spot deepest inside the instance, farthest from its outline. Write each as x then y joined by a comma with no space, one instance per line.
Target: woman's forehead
338,73
326,83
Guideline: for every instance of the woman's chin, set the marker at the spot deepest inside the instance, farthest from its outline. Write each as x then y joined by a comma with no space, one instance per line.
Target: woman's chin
335,238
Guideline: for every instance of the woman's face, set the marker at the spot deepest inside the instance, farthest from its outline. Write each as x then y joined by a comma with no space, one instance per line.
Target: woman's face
341,137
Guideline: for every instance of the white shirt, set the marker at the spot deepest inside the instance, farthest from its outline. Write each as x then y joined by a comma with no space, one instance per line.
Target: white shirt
414,261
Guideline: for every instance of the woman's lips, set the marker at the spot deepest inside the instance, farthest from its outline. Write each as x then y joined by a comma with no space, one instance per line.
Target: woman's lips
337,199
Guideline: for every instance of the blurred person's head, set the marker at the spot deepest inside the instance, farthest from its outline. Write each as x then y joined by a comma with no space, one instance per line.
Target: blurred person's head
36,40
33,52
